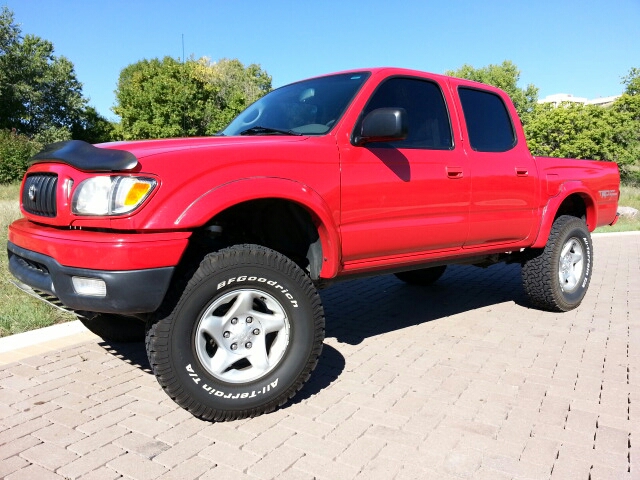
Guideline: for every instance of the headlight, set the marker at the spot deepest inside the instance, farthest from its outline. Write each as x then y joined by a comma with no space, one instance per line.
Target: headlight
111,195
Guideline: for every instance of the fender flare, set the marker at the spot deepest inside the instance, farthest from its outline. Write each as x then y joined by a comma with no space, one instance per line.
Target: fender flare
564,191
227,195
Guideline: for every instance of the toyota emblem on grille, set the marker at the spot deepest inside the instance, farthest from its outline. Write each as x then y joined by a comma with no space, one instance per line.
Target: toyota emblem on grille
32,193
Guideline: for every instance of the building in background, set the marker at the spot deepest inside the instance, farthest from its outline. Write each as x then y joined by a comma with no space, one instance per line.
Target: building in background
559,98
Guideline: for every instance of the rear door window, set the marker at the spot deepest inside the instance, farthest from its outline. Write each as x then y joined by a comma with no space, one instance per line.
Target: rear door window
488,121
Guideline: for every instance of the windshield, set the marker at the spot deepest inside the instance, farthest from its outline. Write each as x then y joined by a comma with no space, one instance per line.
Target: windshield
310,107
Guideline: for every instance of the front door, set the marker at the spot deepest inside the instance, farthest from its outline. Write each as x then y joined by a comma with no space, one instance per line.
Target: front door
409,196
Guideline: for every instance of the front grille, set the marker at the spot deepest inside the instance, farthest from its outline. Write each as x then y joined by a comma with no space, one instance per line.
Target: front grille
39,194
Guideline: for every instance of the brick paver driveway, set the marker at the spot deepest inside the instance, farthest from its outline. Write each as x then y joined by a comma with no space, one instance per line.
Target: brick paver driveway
459,380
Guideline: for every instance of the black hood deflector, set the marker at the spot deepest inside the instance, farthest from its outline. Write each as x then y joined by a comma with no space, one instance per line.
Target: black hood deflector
86,157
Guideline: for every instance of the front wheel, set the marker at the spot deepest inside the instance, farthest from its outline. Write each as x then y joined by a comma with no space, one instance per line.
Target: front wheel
557,277
243,338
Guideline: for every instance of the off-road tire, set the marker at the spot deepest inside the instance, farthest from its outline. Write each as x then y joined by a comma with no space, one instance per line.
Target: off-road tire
114,328
424,276
557,277
234,298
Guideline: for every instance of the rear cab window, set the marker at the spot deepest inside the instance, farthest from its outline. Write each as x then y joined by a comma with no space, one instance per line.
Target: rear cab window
488,122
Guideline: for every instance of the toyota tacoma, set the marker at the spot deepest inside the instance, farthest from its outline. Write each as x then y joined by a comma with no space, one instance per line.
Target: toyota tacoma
214,249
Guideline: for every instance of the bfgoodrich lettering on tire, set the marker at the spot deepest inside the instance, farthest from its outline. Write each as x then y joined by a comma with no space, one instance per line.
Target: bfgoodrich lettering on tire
557,277
243,338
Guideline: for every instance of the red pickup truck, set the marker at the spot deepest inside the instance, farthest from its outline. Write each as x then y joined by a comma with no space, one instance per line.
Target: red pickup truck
214,248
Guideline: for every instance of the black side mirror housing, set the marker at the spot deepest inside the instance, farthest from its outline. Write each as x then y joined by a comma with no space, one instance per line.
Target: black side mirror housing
383,125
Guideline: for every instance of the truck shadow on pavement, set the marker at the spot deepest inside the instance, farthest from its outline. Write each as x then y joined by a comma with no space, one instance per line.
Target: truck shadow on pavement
363,308
330,365
359,309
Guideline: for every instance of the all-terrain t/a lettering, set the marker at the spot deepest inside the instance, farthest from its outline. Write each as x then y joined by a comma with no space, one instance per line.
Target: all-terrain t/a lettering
220,393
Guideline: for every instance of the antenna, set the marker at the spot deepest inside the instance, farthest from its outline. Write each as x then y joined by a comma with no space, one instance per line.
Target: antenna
184,105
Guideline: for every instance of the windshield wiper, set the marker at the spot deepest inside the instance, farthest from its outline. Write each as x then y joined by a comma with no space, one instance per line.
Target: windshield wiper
258,130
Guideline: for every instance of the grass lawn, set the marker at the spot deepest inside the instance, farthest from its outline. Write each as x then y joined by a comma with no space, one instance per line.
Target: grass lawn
629,197
19,312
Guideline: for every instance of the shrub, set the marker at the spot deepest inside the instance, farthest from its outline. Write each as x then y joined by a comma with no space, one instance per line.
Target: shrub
15,151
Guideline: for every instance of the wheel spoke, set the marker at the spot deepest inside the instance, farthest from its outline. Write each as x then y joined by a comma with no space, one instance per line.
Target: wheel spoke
571,279
242,304
271,322
221,361
258,356
566,249
576,257
212,326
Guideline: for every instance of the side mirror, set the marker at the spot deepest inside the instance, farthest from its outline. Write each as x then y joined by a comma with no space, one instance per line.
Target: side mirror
383,125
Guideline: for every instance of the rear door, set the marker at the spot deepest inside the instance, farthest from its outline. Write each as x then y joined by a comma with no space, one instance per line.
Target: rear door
503,172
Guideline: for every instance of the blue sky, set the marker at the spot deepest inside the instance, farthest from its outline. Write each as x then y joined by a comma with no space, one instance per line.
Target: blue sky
578,47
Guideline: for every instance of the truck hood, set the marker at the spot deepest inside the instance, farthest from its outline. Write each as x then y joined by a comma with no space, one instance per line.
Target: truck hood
146,148
126,156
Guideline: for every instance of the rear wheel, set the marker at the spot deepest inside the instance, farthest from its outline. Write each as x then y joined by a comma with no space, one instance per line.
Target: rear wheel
243,338
557,277
424,276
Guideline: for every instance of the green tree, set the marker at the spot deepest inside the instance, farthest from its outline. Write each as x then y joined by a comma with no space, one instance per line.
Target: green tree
630,100
505,76
39,92
628,105
232,88
93,127
152,98
166,98
584,131
15,150
38,89
631,81
9,36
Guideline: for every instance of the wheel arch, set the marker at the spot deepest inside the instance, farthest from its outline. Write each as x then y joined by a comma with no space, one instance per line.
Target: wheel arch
574,200
219,204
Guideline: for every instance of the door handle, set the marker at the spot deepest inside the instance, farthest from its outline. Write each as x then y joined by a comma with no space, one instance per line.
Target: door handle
454,172
522,172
